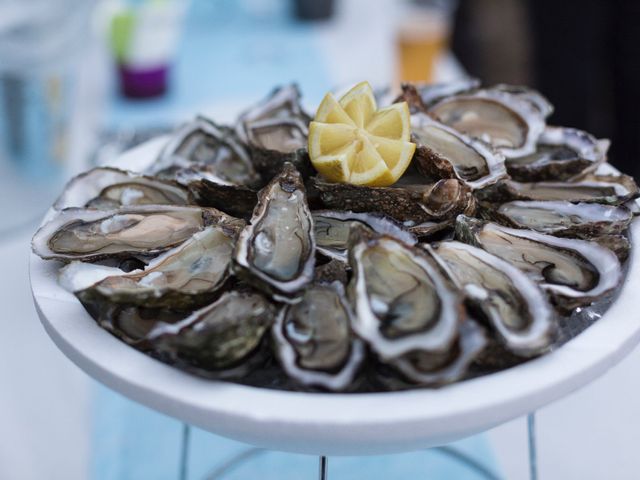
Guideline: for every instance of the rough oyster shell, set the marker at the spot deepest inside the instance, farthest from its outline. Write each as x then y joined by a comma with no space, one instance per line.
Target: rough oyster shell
276,251
507,299
405,203
575,272
109,188
236,200
561,153
443,152
402,302
89,235
421,97
332,229
314,341
561,218
510,122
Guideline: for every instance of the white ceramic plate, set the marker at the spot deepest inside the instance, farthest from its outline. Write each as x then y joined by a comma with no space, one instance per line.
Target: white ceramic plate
328,423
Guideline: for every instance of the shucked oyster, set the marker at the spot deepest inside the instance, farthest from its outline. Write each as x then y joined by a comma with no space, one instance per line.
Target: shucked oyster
511,122
402,302
414,203
562,218
575,272
443,152
504,296
421,97
219,340
562,153
183,277
88,235
109,188
276,251
332,229
203,149
314,341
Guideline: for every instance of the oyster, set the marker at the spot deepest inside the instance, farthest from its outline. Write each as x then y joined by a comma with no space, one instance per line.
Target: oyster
609,189
276,251
505,297
276,131
237,200
562,153
510,122
185,276
405,203
332,229
442,152
435,369
575,272
313,339
89,235
203,149
562,218
218,340
332,271
421,97
109,188
402,302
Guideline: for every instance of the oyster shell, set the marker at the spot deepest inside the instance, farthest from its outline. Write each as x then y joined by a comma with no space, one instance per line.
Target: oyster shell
510,122
183,277
562,153
217,340
402,302
562,218
276,251
608,189
109,188
332,229
405,203
443,152
575,272
421,97
236,200
89,235
331,271
435,369
507,299
203,149
314,341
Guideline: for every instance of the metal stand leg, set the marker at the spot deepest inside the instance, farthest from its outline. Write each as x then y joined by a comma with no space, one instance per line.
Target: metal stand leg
324,466
533,457
184,451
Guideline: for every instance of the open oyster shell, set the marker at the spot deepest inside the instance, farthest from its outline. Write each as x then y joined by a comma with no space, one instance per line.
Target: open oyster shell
510,120
314,341
405,203
561,154
421,97
561,218
89,235
575,272
332,229
108,188
514,306
443,152
402,302
186,276
276,251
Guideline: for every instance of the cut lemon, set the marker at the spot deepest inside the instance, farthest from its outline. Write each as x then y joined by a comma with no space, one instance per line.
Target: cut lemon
351,141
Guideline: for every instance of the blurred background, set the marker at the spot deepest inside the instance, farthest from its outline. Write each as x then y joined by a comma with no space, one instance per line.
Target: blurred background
82,80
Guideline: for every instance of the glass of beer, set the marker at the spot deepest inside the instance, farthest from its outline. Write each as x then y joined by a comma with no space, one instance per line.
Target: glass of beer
422,36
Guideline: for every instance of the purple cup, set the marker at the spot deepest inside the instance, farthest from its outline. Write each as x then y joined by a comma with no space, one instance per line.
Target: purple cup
138,82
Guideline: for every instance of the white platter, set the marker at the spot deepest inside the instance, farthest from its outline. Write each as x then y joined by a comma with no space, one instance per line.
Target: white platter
326,423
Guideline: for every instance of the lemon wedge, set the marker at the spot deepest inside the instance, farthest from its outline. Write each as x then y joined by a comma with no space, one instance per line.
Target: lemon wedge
351,141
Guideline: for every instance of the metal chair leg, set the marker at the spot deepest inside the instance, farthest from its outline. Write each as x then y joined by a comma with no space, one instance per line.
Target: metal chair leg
324,467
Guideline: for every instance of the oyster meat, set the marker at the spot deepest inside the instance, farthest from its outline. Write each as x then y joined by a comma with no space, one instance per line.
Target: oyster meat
89,235
561,154
402,302
332,230
514,306
443,152
575,272
108,188
276,251
314,341
405,203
